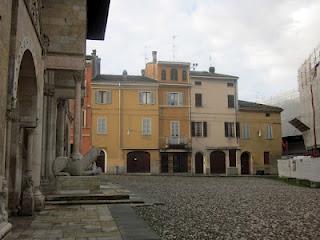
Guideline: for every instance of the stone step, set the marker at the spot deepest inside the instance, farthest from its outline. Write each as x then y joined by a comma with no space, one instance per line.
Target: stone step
93,202
85,197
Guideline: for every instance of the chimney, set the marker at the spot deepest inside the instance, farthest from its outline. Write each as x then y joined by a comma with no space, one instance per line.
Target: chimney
154,56
124,75
96,63
212,69
142,72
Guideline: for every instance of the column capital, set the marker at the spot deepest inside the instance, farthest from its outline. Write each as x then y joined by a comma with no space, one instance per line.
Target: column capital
77,77
61,103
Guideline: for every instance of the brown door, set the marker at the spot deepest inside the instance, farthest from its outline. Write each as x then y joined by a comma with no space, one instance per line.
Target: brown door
245,163
164,163
217,162
138,162
199,163
180,162
101,161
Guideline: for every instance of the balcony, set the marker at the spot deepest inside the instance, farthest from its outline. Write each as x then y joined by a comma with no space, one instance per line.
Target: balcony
175,142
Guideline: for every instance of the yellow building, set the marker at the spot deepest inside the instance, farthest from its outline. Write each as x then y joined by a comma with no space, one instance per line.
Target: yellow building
174,113
125,115
260,138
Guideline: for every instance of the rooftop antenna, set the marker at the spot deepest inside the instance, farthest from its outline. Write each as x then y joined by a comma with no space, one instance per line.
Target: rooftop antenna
174,47
145,54
194,66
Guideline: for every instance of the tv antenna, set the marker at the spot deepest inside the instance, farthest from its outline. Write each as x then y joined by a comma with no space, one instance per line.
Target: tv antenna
174,47
194,66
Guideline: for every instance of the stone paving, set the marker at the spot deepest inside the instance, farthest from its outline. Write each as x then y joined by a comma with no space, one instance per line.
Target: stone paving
67,222
226,207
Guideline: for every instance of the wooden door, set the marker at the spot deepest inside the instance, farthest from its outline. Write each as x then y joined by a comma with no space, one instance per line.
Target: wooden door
180,162
217,162
245,163
164,163
138,162
199,163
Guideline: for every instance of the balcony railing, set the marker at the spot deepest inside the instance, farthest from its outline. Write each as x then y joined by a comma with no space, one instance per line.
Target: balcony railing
175,142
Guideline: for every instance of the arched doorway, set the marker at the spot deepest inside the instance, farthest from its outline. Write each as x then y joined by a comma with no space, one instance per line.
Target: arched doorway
198,163
102,161
245,163
138,162
218,162
22,137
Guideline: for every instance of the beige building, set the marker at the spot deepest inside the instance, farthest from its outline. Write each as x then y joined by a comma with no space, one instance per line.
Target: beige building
215,146
42,48
260,138
125,122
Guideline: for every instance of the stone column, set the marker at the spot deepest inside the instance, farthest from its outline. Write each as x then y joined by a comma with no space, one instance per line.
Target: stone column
61,128
27,205
75,165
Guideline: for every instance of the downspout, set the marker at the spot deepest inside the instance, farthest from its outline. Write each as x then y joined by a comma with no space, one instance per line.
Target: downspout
120,120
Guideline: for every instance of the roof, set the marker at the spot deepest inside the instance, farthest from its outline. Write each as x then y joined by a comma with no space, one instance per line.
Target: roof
299,125
257,107
97,15
210,75
171,63
131,79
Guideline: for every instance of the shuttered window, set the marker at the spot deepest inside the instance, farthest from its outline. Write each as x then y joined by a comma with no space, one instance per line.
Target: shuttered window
199,129
174,74
269,132
198,100
102,126
229,129
231,102
103,97
245,131
175,99
146,126
146,97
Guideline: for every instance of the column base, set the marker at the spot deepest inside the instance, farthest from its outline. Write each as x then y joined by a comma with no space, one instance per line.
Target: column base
39,199
5,229
27,204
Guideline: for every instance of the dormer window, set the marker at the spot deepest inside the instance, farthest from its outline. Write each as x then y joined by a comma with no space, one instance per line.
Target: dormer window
174,74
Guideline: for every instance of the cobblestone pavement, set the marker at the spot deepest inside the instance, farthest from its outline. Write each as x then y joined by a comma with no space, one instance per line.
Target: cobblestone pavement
67,222
226,207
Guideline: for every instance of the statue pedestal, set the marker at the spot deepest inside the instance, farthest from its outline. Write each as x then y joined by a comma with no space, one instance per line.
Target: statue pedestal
77,184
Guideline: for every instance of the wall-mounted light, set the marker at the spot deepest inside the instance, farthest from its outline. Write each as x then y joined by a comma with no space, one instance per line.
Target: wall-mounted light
259,133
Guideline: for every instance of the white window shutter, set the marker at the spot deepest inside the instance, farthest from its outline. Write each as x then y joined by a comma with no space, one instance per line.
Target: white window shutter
153,100
109,97
181,99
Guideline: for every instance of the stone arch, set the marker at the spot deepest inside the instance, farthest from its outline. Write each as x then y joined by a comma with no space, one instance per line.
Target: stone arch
199,161
21,159
102,161
245,163
218,162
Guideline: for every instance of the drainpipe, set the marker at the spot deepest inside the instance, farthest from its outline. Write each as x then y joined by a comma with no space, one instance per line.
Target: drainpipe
120,121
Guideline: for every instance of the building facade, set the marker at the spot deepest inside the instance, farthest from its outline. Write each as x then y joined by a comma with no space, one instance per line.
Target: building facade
125,123
260,138
215,144
308,122
42,47
174,113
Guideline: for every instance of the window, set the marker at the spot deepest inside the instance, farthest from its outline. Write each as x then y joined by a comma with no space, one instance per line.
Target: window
84,118
229,129
102,126
245,131
175,99
269,132
199,129
163,74
230,84
146,97
184,75
103,97
232,158
267,114
266,158
198,100
146,126
230,101
199,83
174,74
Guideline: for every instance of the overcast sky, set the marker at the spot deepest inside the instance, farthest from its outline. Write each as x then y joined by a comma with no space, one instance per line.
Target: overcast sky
261,41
